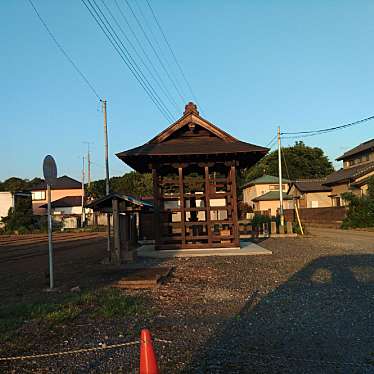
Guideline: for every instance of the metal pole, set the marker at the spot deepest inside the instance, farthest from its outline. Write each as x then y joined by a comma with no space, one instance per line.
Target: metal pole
89,165
107,187
50,247
83,193
280,179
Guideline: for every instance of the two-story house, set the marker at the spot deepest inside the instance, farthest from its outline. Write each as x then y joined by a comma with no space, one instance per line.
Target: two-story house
62,188
262,194
358,166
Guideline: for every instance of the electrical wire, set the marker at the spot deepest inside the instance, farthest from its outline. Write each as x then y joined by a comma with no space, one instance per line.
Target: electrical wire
172,52
120,48
155,52
159,83
159,79
132,62
62,50
327,130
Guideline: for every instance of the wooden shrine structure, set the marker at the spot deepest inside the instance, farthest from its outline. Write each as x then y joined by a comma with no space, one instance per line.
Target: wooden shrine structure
126,212
194,166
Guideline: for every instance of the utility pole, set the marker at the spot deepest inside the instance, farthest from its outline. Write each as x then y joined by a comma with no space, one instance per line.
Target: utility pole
280,178
83,194
107,187
88,164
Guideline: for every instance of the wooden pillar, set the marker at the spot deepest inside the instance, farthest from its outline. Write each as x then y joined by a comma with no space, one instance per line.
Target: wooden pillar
156,205
207,204
182,205
234,205
116,259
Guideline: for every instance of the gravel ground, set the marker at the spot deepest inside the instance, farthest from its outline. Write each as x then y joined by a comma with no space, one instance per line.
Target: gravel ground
308,308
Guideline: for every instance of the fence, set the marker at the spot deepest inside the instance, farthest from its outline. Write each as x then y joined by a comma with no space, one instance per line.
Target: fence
330,216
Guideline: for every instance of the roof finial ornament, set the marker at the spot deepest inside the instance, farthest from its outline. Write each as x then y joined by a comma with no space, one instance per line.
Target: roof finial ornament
191,108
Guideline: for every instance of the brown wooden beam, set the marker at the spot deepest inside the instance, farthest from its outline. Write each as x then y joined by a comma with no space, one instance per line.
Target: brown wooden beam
156,204
182,205
207,203
234,206
116,258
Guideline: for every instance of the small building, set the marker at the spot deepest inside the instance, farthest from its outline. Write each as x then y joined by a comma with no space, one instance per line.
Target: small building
194,166
261,186
269,202
127,222
310,193
63,187
358,166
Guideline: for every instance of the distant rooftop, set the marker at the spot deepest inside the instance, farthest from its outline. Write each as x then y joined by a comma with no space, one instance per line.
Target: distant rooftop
346,175
265,179
366,146
65,202
311,185
272,196
61,183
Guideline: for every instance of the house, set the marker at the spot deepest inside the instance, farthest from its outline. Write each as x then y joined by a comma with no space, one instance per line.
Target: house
63,187
194,166
260,187
68,211
269,202
10,200
310,193
358,166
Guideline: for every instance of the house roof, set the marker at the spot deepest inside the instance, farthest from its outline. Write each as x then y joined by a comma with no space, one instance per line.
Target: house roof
366,146
349,174
106,201
311,185
265,179
61,183
65,202
190,136
272,196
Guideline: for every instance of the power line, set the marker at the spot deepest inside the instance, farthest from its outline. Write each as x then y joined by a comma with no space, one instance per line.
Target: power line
62,50
159,80
271,141
172,52
131,61
155,52
167,95
121,50
327,130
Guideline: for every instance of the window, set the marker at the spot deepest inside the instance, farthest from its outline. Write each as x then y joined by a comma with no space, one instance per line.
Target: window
275,187
38,195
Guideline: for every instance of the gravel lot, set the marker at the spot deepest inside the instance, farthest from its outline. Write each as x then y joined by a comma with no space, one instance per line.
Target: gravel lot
308,308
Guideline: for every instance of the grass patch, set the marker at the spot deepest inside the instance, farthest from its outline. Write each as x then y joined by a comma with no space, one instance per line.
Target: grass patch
112,303
103,303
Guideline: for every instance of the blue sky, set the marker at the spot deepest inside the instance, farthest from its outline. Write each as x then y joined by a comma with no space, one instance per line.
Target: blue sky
253,65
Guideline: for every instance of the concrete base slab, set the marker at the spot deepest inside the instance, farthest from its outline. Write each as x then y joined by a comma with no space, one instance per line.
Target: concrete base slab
246,249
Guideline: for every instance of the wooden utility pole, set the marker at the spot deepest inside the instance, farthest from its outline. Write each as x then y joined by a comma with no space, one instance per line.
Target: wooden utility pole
83,194
280,179
107,187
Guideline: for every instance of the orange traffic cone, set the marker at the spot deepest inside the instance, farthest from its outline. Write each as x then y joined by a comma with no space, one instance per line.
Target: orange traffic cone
148,363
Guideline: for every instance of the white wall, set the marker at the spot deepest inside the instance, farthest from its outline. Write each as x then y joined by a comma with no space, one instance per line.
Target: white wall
6,202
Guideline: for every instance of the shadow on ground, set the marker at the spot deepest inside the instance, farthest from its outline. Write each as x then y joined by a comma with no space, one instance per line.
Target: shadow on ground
319,321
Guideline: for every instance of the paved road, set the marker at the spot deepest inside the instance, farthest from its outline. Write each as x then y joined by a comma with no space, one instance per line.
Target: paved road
345,236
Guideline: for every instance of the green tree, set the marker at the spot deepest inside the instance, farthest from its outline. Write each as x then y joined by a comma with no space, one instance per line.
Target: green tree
14,184
132,183
301,162
360,208
20,217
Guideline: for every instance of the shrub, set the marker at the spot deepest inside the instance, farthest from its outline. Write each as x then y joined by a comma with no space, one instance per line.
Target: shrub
360,209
